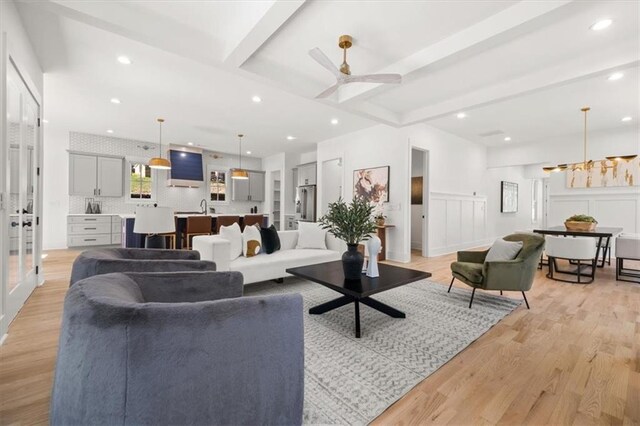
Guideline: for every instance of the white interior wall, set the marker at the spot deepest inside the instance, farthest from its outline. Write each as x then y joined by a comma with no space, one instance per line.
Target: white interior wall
451,188
457,217
613,206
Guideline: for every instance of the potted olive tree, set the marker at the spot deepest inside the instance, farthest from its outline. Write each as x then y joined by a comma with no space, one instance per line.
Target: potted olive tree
351,223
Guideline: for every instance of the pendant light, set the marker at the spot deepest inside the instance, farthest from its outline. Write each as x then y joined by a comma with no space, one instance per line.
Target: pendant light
588,164
239,173
159,162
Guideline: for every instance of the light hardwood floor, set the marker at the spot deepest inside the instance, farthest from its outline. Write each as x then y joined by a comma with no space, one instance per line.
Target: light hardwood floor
574,358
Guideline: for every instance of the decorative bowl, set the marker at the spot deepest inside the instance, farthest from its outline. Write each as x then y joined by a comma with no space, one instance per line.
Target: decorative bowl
572,225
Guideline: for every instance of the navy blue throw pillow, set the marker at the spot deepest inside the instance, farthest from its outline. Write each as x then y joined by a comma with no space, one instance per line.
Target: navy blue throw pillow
270,239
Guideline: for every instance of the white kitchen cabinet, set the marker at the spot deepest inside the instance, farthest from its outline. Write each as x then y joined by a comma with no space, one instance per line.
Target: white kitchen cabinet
110,177
251,189
93,175
307,174
256,186
93,230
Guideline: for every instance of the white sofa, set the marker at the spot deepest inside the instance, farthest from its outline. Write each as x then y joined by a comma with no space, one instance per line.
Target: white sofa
264,267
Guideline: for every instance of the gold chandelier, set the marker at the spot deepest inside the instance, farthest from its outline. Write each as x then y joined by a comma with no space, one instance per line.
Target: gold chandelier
159,162
239,173
588,164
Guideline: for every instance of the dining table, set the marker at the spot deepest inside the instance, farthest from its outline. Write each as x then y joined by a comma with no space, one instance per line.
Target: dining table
602,233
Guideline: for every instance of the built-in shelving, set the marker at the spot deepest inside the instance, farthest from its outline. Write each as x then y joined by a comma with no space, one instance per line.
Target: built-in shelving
276,200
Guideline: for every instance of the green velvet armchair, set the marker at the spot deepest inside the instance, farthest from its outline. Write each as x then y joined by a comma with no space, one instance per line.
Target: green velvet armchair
508,275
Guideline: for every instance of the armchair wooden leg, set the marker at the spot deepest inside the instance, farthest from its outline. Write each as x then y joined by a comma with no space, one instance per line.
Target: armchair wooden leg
472,294
500,292
525,300
451,285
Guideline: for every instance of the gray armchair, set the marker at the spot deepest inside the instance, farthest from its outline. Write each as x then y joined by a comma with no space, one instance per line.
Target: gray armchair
178,348
508,275
107,260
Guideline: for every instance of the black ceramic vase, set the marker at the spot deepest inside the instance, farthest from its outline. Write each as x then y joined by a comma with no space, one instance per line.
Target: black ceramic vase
352,261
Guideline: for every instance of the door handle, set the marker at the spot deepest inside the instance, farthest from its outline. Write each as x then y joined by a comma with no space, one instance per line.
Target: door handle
26,224
14,224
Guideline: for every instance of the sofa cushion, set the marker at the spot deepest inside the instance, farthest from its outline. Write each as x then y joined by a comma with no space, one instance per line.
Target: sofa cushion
266,267
270,239
472,272
503,250
251,241
232,234
311,236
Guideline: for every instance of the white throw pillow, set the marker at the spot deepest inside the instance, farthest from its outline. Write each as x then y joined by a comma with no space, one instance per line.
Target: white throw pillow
232,234
311,236
251,233
503,250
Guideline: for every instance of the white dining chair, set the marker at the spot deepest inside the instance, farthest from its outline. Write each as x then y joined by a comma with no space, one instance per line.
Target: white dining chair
580,250
627,248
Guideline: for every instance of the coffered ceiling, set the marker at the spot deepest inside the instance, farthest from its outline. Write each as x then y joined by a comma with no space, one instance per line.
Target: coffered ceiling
520,69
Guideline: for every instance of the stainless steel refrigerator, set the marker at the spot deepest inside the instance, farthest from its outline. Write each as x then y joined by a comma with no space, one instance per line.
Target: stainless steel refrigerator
306,203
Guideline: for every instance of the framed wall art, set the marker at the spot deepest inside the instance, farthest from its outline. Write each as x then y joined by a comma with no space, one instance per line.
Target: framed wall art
508,197
372,184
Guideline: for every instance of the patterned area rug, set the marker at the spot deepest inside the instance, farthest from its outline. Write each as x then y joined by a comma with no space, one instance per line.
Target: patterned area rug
352,381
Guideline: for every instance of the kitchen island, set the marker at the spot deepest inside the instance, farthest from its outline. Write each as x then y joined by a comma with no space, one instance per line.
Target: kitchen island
132,240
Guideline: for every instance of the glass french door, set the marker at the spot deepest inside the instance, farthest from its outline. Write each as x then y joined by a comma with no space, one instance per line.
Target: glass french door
22,185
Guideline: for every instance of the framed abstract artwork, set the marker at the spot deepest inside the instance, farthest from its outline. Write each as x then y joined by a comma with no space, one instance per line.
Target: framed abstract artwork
372,184
508,197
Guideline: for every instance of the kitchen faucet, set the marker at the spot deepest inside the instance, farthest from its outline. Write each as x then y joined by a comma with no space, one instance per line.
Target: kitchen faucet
204,210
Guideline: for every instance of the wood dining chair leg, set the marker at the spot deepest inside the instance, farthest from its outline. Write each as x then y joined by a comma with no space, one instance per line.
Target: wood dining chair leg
451,285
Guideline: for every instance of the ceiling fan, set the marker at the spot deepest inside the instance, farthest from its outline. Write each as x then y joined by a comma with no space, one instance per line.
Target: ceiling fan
343,74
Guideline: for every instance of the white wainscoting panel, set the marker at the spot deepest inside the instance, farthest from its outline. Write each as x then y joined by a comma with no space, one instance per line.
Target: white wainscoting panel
615,210
457,222
620,210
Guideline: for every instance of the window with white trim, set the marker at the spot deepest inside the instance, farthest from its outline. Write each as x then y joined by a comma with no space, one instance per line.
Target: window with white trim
140,181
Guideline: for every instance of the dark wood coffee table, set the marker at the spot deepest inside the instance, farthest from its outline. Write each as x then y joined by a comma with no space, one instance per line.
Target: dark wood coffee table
330,275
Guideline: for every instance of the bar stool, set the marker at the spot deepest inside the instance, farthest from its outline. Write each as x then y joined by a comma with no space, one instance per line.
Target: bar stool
196,225
627,248
226,221
580,250
252,219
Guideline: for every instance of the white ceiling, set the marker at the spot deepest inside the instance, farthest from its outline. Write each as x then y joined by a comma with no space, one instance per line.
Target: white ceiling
524,68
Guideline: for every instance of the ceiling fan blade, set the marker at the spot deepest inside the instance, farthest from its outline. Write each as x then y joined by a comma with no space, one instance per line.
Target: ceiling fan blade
375,78
329,91
323,60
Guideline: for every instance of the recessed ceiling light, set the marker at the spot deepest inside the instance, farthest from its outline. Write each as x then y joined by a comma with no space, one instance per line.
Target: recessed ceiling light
290,138
627,118
256,99
115,100
461,115
190,143
601,24
615,76
109,131
45,121
507,139
334,121
248,152
124,60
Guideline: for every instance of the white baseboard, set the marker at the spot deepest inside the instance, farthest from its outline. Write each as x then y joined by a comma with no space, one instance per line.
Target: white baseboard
439,251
